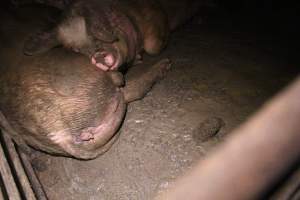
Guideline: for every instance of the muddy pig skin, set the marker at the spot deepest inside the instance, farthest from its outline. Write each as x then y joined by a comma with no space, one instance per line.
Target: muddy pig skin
114,32
58,102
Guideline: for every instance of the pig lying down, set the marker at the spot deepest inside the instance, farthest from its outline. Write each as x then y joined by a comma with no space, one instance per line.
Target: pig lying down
114,32
57,102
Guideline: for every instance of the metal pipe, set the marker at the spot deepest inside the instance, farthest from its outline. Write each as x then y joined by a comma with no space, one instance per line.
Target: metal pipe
7,177
17,177
19,170
252,159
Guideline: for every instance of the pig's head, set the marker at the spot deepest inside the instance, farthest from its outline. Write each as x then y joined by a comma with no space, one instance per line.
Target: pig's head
64,106
100,31
97,29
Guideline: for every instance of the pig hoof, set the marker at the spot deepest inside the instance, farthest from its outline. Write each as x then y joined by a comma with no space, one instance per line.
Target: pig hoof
163,67
138,59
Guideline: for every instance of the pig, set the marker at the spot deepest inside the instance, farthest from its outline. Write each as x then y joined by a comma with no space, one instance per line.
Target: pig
57,102
114,32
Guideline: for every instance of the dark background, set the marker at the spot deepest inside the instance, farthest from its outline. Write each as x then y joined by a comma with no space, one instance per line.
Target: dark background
275,14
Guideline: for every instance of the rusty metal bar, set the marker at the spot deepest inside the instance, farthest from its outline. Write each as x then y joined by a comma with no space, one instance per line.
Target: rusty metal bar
19,170
253,159
36,185
7,177
20,181
1,193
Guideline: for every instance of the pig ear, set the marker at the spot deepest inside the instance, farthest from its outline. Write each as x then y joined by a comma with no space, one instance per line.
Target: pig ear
40,42
102,30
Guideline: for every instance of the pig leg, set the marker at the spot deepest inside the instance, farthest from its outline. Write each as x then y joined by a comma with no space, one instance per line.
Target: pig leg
155,31
155,37
40,42
138,86
117,78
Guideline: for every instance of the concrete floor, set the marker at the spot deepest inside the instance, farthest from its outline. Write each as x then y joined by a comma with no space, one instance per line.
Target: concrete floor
220,76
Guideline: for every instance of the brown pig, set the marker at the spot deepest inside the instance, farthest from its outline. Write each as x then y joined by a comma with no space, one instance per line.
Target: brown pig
57,102
114,32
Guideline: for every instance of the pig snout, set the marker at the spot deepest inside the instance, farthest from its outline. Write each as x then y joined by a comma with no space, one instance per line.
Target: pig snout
107,59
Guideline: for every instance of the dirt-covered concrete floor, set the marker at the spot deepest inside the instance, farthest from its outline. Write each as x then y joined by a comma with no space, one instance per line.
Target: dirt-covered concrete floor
221,74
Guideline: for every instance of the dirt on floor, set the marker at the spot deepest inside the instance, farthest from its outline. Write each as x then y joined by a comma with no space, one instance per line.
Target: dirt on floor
221,74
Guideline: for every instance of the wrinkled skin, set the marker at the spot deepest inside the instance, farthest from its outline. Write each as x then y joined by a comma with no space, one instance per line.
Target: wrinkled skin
114,32
58,102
